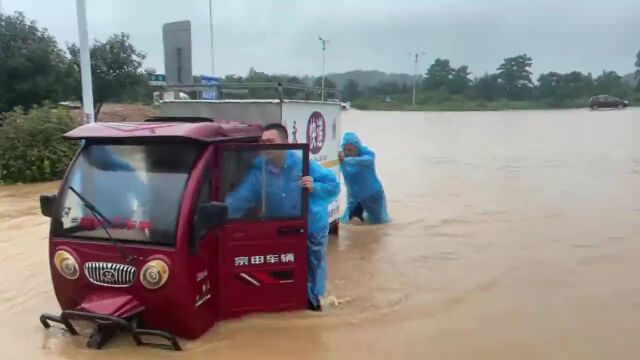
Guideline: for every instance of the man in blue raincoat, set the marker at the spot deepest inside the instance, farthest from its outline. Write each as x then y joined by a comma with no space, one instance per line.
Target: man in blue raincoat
365,194
281,186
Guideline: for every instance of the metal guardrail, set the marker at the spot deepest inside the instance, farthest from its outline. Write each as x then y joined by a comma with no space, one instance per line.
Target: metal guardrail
236,88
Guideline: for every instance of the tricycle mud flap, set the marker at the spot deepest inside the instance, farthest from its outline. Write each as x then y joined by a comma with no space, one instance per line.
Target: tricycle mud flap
107,327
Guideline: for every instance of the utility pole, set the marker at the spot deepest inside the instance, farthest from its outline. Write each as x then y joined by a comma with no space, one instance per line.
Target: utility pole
415,73
85,62
213,63
324,47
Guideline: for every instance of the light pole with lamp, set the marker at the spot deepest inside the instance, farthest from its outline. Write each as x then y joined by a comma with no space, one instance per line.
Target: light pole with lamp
213,67
415,73
324,47
85,62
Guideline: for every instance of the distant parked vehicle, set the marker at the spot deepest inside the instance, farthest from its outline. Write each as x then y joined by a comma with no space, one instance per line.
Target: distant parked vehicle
606,101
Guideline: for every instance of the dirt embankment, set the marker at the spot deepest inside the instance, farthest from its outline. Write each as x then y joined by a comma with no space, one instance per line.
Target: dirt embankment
120,113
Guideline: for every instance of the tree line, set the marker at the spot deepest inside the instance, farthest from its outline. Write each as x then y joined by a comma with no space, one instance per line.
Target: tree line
301,93
35,73
34,69
512,81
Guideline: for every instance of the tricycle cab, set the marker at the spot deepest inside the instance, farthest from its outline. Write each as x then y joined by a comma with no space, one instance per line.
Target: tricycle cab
317,123
141,234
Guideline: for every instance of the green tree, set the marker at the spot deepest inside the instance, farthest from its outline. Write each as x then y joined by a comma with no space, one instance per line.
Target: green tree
573,85
351,90
487,87
255,76
515,74
638,70
610,83
328,83
115,67
290,93
439,74
558,87
578,85
386,88
459,81
549,85
32,66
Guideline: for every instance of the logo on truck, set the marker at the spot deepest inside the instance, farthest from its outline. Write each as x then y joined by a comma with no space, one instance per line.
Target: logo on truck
316,132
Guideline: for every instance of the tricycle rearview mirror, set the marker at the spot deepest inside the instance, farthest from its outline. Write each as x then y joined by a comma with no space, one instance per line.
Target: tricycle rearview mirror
209,216
47,202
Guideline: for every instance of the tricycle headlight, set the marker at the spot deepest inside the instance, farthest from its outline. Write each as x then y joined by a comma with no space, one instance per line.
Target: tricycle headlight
154,274
66,264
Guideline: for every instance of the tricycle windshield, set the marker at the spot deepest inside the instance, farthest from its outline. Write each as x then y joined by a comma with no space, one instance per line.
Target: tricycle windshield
138,188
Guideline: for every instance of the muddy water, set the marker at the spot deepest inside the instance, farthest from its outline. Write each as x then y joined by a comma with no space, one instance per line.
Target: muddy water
514,236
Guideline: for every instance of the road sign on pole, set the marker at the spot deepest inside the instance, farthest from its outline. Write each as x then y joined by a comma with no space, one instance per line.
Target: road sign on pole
213,93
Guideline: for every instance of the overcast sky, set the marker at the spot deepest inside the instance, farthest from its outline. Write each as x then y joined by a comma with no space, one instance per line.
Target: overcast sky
281,36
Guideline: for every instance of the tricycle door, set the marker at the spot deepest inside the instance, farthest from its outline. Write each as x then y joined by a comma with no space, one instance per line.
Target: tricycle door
263,245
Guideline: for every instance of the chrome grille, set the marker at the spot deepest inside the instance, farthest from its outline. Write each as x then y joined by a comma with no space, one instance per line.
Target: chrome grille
110,274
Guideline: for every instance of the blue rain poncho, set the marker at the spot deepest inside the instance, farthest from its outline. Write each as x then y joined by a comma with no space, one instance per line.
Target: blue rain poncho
282,190
365,194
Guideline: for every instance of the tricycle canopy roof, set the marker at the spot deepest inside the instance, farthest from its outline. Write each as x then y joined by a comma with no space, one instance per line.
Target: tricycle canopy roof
206,130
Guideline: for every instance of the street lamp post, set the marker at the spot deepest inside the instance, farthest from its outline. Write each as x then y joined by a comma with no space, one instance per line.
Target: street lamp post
213,66
324,47
85,62
415,73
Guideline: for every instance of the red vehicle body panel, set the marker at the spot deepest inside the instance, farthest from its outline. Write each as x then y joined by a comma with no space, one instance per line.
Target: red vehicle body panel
203,286
277,284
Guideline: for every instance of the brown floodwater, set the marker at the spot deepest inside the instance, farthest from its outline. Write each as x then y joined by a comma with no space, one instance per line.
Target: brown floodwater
515,235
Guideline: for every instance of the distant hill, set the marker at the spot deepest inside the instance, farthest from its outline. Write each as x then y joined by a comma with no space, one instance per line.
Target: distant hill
631,79
367,78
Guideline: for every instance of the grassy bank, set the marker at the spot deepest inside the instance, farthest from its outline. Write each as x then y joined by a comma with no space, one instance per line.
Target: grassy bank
463,104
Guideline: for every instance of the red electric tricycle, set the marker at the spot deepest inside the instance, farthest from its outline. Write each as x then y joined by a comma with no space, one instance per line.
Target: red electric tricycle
142,242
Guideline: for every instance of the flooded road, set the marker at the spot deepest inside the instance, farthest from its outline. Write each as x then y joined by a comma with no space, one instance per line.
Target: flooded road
514,236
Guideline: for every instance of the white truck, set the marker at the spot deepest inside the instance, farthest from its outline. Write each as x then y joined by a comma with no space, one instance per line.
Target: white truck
313,122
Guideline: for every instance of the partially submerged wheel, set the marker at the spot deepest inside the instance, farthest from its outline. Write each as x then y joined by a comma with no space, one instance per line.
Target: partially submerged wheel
101,335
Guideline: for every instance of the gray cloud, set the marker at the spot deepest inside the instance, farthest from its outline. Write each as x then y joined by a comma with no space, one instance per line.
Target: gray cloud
281,35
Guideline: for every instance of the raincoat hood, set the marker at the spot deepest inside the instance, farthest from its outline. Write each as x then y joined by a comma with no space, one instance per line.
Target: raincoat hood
353,139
